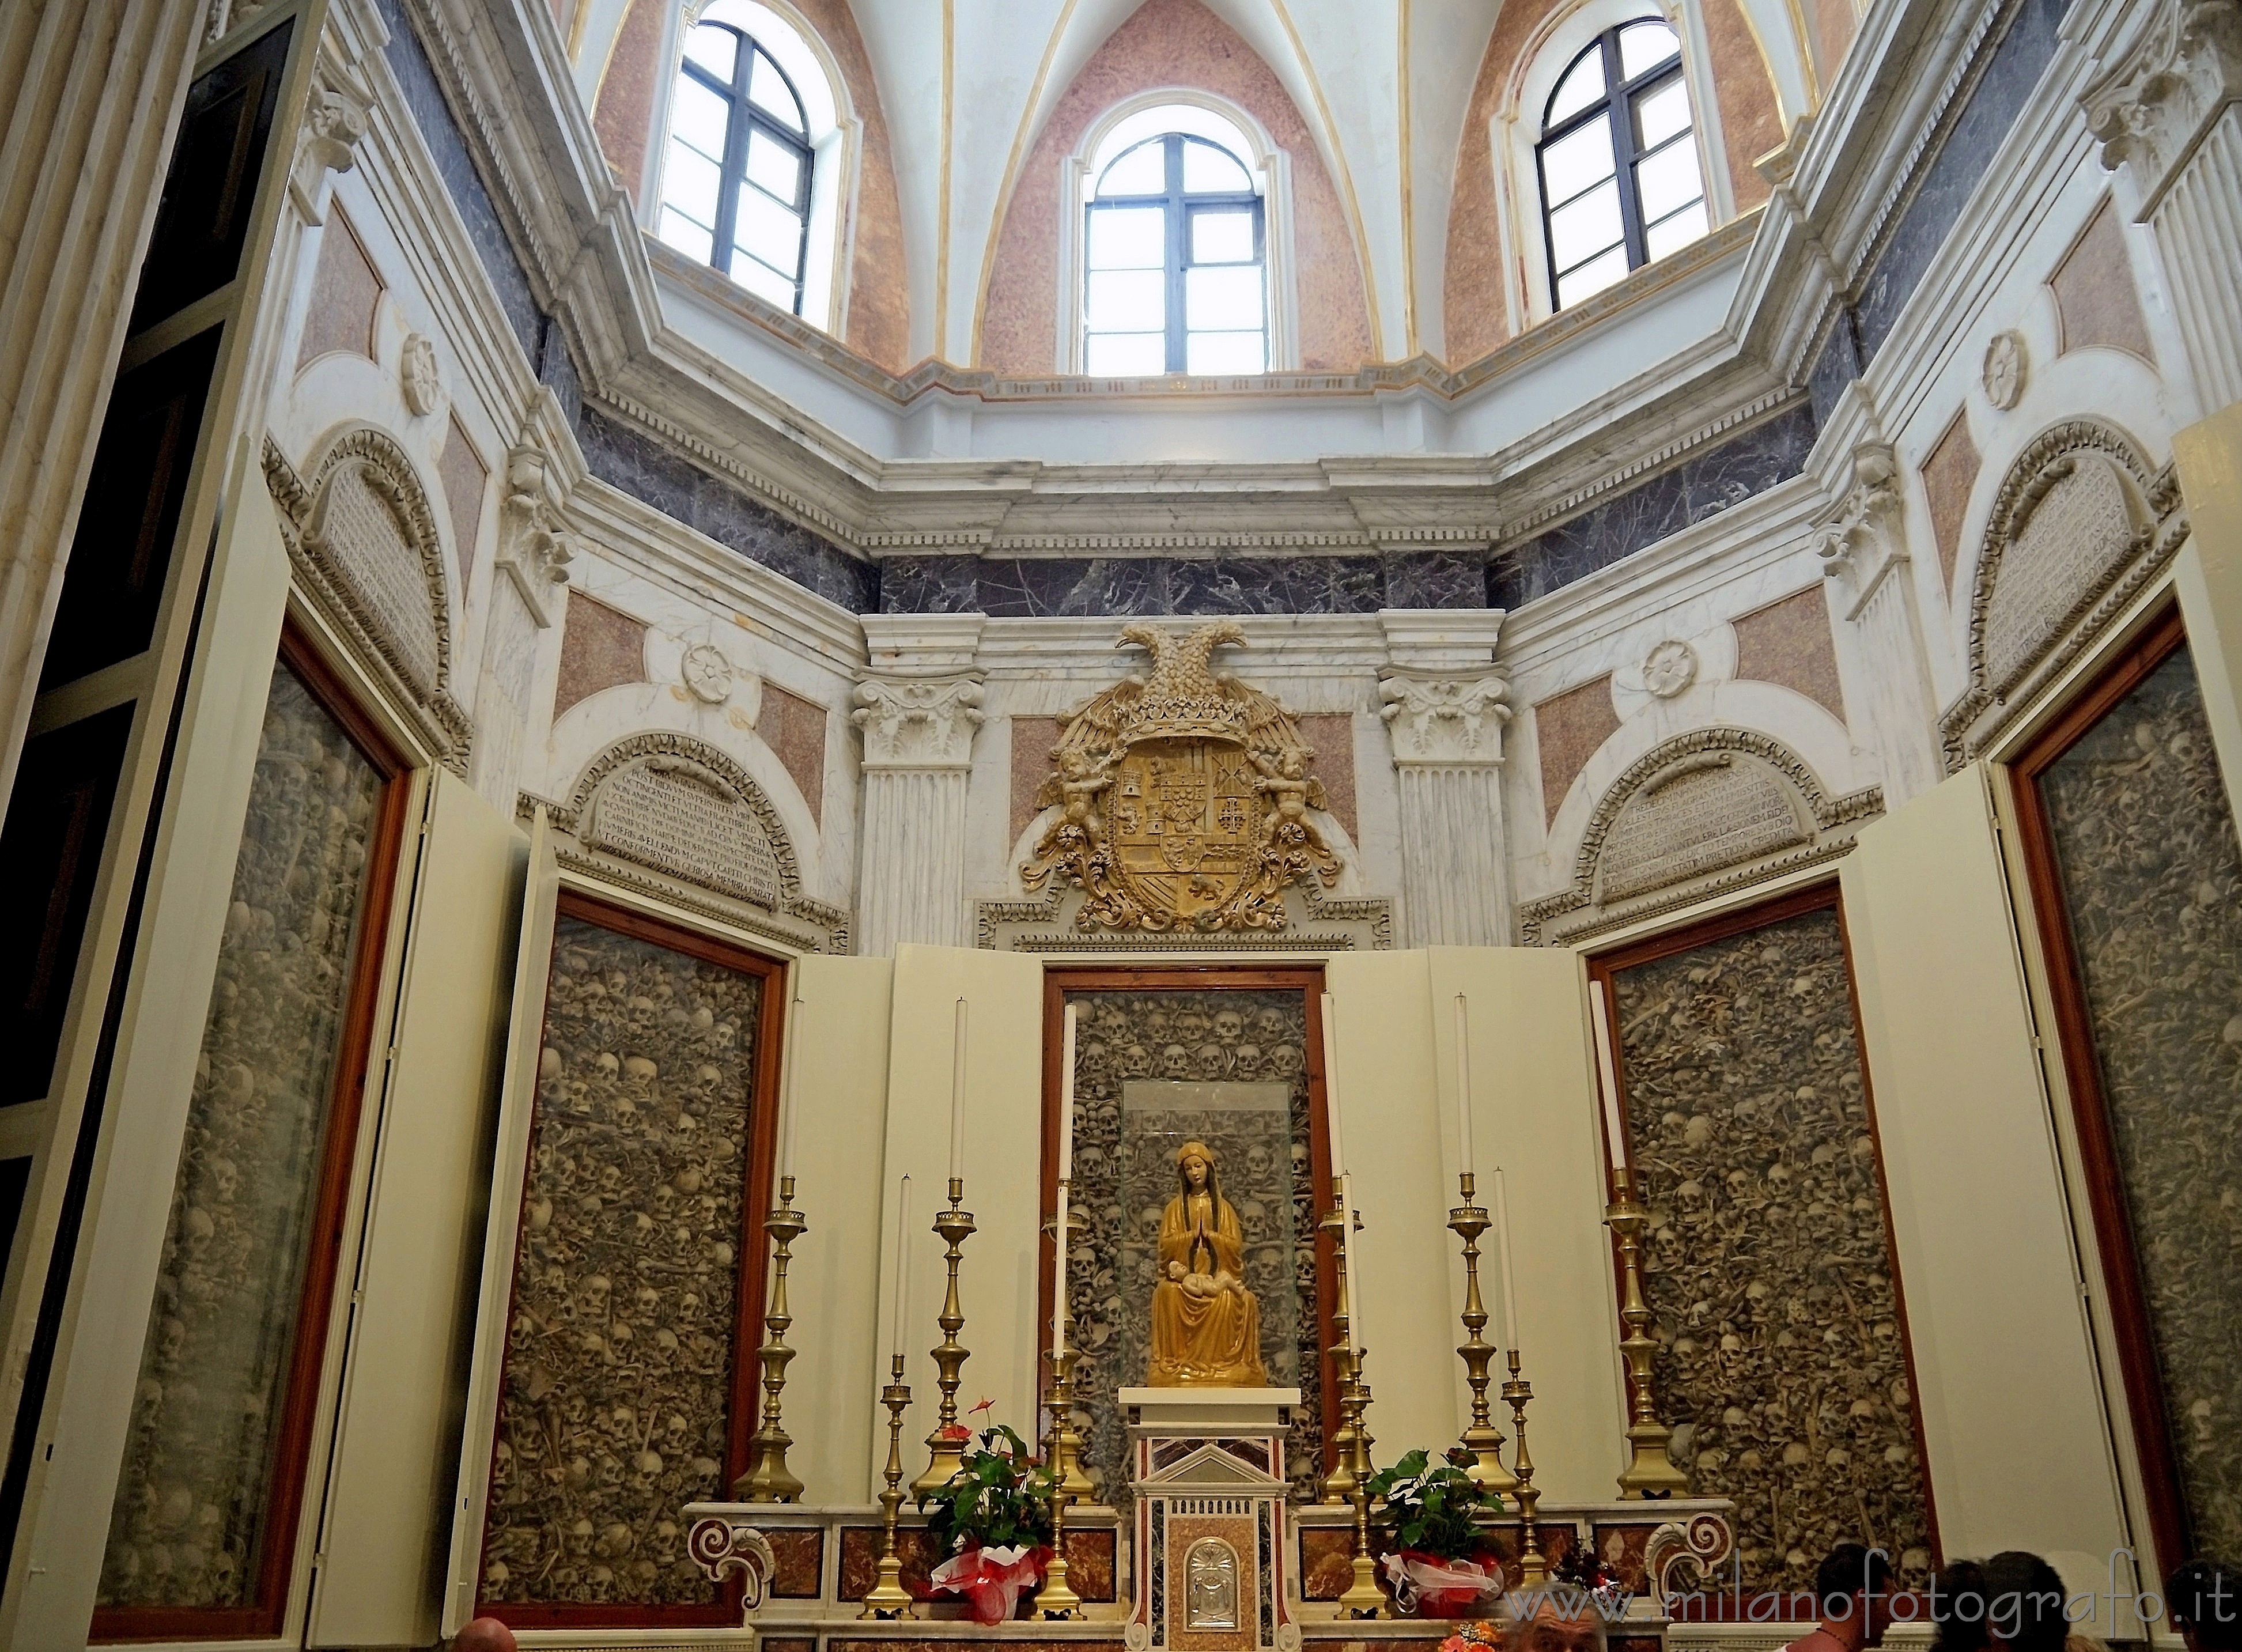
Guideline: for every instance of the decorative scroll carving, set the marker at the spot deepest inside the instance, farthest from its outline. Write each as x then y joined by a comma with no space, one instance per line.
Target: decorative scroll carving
720,1547
615,1407
363,540
1680,1557
918,722
1707,810
2080,524
2182,69
535,547
1783,1358
1185,798
1445,717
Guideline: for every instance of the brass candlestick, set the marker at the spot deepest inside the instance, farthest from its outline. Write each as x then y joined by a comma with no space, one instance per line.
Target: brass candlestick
1337,1485
887,1598
1531,1561
1650,1472
1483,1440
1062,1445
946,1444
1055,1600
767,1479
1363,1599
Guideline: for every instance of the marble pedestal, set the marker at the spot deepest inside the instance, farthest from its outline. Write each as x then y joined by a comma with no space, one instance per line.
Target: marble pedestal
1207,1466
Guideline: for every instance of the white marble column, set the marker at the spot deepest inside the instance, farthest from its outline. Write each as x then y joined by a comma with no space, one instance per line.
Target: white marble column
2168,111
1864,555
918,705
1445,705
93,91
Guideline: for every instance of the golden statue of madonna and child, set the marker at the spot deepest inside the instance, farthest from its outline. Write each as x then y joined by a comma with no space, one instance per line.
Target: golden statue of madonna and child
1206,1326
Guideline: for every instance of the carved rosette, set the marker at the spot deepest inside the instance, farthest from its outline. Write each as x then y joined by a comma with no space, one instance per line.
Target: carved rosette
1184,798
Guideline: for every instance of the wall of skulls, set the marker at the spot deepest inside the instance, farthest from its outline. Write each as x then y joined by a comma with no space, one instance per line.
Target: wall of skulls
1782,1361
1124,1175
189,1524
616,1407
2153,884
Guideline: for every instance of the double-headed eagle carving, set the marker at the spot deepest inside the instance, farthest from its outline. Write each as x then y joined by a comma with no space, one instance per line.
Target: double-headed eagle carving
1184,797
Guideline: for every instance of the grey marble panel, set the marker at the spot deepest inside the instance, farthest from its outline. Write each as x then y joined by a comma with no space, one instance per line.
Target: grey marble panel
1277,585
1022,587
2018,62
1435,579
673,485
1013,587
1769,453
424,98
930,585
1838,364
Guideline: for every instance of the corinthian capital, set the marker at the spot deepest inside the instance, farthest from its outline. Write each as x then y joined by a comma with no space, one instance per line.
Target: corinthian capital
1445,717
918,722
1859,540
2152,106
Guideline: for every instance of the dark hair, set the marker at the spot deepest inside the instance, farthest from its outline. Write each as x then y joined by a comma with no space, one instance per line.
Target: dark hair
1849,1570
1957,1607
2207,1597
2023,1602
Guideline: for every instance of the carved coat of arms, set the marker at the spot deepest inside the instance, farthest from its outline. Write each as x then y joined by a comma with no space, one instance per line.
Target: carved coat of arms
1186,797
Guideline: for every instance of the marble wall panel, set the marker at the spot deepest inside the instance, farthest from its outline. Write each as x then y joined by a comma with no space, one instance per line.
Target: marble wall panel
2097,306
1783,1360
661,477
601,647
1771,452
615,1407
189,1524
1787,642
1567,730
1974,138
1033,741
2152,882
1025,586
1949,472
1331,737
465,477
345,292
1238,1036
794,728
928,585
1435,579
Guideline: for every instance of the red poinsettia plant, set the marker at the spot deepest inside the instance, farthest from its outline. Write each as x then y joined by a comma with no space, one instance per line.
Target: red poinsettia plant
1441,1563
993,1520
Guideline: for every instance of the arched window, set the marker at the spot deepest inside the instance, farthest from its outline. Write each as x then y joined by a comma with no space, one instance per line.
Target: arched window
1175,266
1621,183
736,180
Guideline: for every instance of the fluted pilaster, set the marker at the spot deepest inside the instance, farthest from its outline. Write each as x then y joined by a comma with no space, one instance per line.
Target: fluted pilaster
1444,707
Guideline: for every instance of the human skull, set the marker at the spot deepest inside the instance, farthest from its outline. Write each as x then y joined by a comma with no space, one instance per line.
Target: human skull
1175,1063
1229,1026
1259,1160
1245,1060
600,1584
224,1178
1136,1061
646,1470
1269,1024
578,1542
1283,1061
1213,1060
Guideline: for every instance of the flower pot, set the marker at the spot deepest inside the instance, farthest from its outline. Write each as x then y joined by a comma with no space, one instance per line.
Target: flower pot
993,1581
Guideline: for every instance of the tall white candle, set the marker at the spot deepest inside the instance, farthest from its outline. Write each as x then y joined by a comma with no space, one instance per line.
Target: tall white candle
1066,1100
1614,1134
1330,1086
1509,1274
957,1098
1058,1276
791,1101
903,1262
1463,1086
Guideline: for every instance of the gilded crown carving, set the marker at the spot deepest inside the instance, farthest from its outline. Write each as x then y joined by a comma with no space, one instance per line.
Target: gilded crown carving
1186,797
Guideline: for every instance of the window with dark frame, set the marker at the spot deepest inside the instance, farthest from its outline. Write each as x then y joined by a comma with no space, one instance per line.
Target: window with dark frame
735,181
1621,183
1175,271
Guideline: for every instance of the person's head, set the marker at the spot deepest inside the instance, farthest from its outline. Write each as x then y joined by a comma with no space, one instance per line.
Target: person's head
1957,1607
1195,1168
2205,1599
1554,1619
2024,1603
1854,1586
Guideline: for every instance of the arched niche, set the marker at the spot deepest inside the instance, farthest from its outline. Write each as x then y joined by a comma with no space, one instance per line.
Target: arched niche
363,539
2081,523
1707,811
674,817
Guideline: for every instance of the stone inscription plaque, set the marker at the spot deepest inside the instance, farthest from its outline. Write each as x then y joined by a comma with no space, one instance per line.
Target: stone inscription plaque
1729,811
371,549
2077,533
675,821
